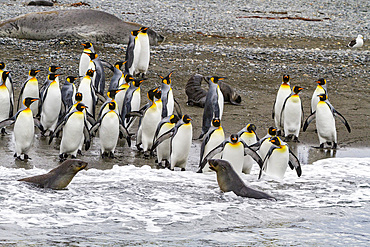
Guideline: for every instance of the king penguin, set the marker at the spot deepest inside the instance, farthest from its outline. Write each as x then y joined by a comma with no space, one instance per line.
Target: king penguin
265,144
292,115
30,88
278,158
111,95
132,53
167,96
163,149
214,137
214,105
74,128
52,70
325,122
85,59
283,92
88,91
131,101
51,104
144,57
249,136
24,128
6,106
99,75
8,82
68,91
320,89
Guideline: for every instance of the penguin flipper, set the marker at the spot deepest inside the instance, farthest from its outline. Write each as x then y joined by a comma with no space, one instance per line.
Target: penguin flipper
273,110
38,124
211,153
87,137
204,143
94,128
162,138
124,132
90,118
178,108
107,65
249,151
309,119
272,148
294,163
342,119
7,122
282,109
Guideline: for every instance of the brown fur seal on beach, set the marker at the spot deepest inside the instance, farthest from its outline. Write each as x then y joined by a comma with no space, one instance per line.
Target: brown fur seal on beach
59,177
87,24
197,95
228,180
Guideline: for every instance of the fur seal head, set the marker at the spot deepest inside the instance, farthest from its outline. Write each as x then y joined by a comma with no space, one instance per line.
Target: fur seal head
59,177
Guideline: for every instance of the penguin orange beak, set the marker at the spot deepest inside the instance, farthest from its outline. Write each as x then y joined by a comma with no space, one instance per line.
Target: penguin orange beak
34,100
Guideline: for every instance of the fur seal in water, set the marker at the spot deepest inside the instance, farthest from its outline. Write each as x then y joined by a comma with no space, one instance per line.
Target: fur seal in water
197,95
228,180
93,25
59,177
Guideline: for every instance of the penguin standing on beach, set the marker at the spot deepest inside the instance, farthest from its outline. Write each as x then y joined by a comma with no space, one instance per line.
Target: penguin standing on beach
181,138
132,53
283,92
292,115
111,95
277,160
144,57
8,82
320,89
6,106
68,92
52,70
214,137
74,128
99,75
88,91
214,105
30,88
110,128
131,101
24,128
264,143
51,104
168,101
85,59
249,136
325,122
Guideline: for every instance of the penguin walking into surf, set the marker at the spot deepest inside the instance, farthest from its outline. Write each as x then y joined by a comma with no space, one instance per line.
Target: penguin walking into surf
110,129
6,106
249,136
163,149
214,137
87,89
325,122
233,150
51,104
283,92
132,53
214,105
292,115
8,82
74,128
85,59
278,158
320,89
99,75
24,128
181,138
144,57
30,88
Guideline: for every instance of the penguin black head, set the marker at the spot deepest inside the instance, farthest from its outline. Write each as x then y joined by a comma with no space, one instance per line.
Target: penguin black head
119,64
137,82
53,69
112,105
167,79
251,128
215,79
286,78
323,96
78,96
216,122
143,29
52,77
135,33
112,93
276,140
71,79
90,72
297,89
151,94
92,55
234,138
186,118
28,101
272,131
129,78
80,107
87,45
174,119
321,81
158,93
33,72
2,65
5,75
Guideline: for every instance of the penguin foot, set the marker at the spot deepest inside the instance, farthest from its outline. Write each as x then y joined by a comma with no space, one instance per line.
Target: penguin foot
15,155
167,164
79,152
3,132
183,169
62,157
19,158
322,145
111,155
295,139
26,157
335,145
139,148
146,154
73,156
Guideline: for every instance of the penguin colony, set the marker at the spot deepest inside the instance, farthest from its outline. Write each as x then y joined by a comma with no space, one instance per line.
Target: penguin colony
162,128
